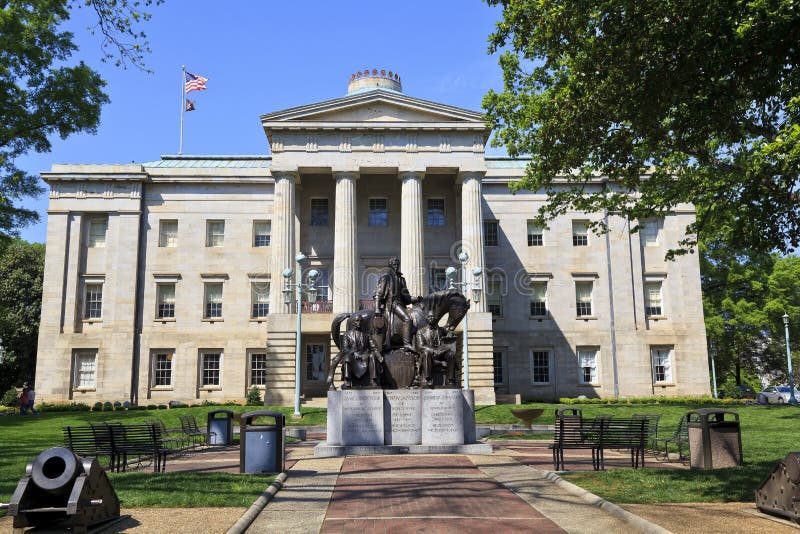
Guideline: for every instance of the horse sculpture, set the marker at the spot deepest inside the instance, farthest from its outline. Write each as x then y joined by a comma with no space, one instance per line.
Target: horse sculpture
447,302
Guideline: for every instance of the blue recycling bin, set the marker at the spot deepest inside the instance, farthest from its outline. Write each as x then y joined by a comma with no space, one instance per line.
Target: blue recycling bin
261,444
220,427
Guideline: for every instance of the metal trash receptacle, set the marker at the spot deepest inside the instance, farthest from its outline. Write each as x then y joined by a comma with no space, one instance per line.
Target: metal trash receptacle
715,438
220,427
261,445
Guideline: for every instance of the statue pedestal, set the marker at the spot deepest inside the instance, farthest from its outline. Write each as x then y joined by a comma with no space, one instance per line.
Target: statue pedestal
393,421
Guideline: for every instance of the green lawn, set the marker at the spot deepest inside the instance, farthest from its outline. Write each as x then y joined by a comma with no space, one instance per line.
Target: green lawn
768,433
22,438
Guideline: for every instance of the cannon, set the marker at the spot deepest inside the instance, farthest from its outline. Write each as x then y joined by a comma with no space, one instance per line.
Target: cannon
60,490
779,493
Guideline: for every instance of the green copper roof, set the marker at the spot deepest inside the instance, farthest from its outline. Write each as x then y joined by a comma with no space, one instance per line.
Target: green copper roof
218,161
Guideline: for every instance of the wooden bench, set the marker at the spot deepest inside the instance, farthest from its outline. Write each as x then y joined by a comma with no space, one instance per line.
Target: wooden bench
571,432
621,434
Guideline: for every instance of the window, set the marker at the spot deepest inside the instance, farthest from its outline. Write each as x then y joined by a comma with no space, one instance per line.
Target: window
165,298
490,231
494,296
378,214
215,233
210,367
168,233
96,236
213,300
162,369
437,280
652,299
261,233
538,299
258,369
583,298
580,234
535,235
540,366
587,359
85,369
497,366
435,212
662,364
650,229
259,292
93,306
315,361
319,212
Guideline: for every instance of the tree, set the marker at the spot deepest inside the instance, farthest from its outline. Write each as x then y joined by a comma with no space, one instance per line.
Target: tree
41,95
21,273
704,94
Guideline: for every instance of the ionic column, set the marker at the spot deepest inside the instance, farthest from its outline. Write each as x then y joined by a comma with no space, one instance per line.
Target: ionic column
345,245
412,241
283,236
472,230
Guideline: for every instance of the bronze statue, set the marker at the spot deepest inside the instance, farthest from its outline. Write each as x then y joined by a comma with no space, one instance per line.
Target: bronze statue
435,348
378,343
391,299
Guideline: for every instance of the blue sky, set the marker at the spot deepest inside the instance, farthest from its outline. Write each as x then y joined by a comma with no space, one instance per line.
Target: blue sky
263,56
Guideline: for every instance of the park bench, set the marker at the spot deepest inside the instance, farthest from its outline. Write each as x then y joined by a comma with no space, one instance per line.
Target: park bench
90,441
652,428
140,442
172,438
621,434
191,429
679,439
571,432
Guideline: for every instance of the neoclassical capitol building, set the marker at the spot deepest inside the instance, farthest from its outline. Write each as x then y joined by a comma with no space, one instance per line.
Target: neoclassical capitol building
163,280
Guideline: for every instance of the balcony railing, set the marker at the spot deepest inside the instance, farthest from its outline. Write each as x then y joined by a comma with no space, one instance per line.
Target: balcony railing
318,306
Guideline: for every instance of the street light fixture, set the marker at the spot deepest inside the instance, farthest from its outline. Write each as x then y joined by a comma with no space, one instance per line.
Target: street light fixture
477,272
298,288
792,399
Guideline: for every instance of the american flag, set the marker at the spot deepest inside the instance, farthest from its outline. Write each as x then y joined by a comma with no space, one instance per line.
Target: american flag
195,83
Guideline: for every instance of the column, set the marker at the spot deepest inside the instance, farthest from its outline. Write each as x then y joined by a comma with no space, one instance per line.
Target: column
472,229
283,236
345,245
412,241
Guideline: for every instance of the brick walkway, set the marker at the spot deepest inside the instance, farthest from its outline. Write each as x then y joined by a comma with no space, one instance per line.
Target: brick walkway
429,494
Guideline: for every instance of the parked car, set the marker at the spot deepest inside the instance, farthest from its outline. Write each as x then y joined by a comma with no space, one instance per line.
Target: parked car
776,395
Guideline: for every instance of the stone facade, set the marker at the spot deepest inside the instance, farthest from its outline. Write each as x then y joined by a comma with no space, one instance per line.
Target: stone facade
163,280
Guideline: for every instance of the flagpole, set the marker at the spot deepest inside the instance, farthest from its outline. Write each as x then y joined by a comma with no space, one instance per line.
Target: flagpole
183,104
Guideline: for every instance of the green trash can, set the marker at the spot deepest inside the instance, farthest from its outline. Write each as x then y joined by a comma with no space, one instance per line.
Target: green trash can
261,444
715,438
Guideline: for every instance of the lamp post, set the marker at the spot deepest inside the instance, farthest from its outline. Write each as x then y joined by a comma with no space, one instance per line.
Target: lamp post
463,257
792,399
713,354
298,288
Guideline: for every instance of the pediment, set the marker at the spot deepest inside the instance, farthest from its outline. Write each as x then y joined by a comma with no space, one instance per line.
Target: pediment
374,106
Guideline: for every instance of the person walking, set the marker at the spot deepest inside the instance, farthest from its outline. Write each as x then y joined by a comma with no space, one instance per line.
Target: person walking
27,400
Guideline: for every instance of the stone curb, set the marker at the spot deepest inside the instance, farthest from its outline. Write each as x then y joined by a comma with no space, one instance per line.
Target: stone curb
618,512
244,522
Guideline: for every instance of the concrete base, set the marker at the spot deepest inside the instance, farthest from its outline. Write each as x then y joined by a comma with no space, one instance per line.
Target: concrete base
323,450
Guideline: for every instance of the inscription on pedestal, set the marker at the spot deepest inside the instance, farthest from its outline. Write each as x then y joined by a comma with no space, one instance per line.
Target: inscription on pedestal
362,417
442,417
402,416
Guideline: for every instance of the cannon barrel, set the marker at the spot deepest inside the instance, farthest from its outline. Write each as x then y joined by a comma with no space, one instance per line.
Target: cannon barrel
55,469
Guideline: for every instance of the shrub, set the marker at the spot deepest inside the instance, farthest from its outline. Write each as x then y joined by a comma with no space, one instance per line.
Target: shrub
107,406
254,397
152,407
74,407
10,398
126,405
98,407
162,407
117,405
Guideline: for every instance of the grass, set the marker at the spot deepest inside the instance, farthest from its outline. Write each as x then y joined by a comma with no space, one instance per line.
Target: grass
22,438
768,434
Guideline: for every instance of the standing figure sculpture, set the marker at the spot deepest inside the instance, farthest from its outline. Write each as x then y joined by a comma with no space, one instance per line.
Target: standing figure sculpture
391,299
433,343
359,356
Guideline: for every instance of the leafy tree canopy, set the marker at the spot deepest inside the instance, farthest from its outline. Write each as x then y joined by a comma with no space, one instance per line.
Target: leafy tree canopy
21,274
704,95
42,94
